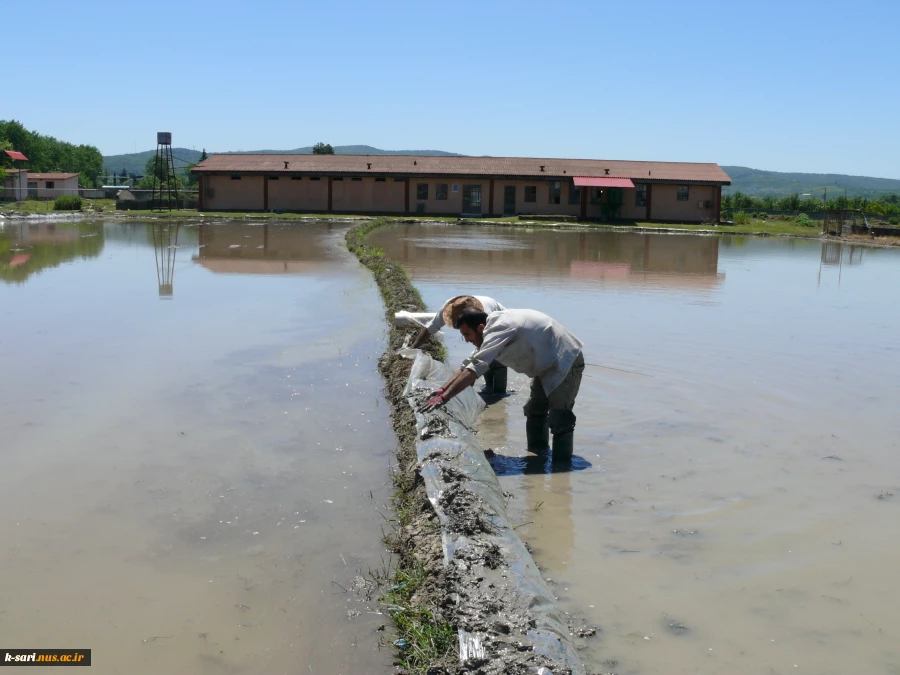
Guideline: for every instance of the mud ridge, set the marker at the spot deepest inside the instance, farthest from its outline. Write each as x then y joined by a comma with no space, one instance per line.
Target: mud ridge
478,576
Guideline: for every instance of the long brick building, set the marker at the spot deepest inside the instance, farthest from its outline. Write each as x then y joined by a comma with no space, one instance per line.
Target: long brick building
445,185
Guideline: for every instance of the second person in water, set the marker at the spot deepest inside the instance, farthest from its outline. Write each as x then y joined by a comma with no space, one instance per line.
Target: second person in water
496,375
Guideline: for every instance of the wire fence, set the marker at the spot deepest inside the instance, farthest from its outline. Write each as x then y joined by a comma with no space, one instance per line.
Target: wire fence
877,219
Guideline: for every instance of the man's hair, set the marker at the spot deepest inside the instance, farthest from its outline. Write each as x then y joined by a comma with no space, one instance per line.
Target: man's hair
471,317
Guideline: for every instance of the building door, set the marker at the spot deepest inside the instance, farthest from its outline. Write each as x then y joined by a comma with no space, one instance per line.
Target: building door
471,199
509,200
32,189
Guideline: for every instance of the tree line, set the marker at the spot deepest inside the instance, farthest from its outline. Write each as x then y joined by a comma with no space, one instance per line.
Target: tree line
884,205
48,154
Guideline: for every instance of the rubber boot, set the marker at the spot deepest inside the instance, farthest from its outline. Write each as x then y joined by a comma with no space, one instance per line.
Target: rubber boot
537,432
562,446
500,381
488,382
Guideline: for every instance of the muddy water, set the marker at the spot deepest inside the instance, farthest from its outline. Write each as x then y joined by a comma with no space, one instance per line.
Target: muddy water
195,448
737,511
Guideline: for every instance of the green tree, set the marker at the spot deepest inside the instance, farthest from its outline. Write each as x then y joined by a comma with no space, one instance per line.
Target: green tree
190,179
46,153
4,158
203,155
158,176
322,149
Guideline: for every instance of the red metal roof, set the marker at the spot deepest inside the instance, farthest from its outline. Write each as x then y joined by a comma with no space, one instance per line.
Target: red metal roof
16,155
602,181
508,167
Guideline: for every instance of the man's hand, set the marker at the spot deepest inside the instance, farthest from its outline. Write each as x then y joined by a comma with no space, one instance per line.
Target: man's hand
433,403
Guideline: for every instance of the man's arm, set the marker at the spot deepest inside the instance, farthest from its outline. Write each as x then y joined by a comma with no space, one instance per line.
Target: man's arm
461,380
430,329
421,338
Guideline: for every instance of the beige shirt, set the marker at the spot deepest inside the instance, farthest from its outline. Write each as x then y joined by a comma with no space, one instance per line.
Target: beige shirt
490,305
529,342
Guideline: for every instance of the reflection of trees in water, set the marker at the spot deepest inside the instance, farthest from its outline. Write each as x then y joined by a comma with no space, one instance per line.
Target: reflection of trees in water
27,248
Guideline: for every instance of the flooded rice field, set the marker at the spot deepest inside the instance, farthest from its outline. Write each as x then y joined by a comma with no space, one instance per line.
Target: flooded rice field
195,447
734,508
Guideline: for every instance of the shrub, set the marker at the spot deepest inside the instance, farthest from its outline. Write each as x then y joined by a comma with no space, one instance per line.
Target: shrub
741,218
804,220
67,203
894,220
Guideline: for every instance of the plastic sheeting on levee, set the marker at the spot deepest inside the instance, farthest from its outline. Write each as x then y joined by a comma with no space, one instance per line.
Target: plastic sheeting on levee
421,319
550,635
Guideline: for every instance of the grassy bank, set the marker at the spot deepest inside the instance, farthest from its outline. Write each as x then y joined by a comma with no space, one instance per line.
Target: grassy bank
424,641
108,208
754,226
45,206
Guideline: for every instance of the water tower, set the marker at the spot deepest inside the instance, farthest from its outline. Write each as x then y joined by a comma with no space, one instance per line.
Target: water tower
164,173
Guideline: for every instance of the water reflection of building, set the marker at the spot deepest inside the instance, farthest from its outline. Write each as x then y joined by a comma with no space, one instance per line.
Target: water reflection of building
265,249
165,247
606,256
44,233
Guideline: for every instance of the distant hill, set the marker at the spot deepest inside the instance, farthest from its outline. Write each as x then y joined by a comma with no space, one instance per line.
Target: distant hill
135,162
757,183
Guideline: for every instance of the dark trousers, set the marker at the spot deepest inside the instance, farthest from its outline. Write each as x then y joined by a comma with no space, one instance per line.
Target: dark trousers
558,405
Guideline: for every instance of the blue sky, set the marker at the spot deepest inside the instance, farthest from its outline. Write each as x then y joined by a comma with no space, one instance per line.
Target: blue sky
785,86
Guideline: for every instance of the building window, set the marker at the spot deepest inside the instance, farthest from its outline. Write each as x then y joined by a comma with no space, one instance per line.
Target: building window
640,194
596,195
531,193
555,190
235,178
440,191
574,194
50,184
296,177
421,190
381,179
315,178
684,193
356,178
273,177
338,178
